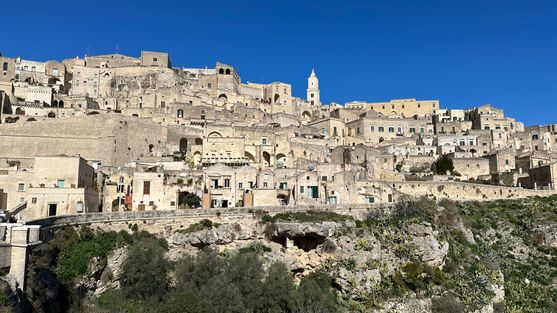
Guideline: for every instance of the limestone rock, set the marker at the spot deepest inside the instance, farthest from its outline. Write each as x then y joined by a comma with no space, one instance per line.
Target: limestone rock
110,277
429,248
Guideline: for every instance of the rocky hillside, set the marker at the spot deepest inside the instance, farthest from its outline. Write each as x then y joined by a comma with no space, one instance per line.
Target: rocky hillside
421,257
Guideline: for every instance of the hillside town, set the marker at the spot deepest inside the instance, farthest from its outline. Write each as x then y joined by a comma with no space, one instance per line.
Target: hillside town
113,133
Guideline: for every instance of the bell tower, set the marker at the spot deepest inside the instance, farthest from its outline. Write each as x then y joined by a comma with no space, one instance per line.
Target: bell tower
313,96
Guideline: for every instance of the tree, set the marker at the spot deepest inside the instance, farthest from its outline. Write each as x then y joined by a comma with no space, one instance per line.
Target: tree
145,271
443,165
188,200
315,295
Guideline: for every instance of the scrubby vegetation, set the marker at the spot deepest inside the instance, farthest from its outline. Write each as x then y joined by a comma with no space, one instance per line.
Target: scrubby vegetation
492,246
216,283
305,217
195,227
56,266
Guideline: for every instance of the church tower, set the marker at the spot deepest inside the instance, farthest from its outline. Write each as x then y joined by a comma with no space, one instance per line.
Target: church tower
313,90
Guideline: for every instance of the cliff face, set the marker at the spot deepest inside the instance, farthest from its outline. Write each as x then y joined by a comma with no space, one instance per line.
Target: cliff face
422,257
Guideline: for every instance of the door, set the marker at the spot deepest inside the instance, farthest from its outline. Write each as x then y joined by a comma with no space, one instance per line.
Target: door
52,209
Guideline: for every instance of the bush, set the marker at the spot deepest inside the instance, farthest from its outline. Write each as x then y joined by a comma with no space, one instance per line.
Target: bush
305,217
256,247
446,304
145,271
195,227
188,200
424,208
443,165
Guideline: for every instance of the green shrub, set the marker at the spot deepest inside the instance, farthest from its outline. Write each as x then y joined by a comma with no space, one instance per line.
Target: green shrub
145,271
195,227
256,247
306,217
446,304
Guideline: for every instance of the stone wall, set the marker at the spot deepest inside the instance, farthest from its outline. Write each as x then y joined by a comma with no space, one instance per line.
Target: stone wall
466,191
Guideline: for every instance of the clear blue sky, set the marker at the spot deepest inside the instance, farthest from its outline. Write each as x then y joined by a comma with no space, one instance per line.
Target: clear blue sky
464,53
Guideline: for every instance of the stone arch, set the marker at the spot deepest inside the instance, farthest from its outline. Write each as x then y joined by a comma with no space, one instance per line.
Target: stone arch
19,111
214,134
196,157
266,158
116,203
223,97
535,137
251,158
61,103
93,113
183,145
381,139
54,104
31,119
51,115
180,113
281,158
227,71
221,71
306,115
277,98
305,154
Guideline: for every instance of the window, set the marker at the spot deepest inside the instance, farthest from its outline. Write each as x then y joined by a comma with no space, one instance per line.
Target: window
283,185
370,199
301,189
372,128
155,60
33,200
215,183
21,187
324,178
506,162
209,85
227,183
5,66
312,95
412,130
381,129
60,183
264,141
240,185
163,104
265,185
391,129
146,187
54,72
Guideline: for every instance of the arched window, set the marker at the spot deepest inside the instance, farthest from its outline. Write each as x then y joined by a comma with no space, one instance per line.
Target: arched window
180,113
535,137
221,71
228,71
183,145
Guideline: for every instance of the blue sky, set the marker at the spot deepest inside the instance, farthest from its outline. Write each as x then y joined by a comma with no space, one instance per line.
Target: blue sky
464,53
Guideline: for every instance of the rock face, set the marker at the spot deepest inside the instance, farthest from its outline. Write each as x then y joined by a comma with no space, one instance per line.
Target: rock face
546,234
221,235
110,277
429,248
